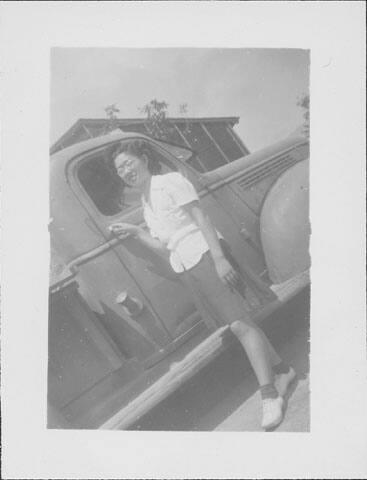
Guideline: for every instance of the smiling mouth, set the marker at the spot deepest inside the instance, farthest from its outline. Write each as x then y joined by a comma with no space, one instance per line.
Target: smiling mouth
132,177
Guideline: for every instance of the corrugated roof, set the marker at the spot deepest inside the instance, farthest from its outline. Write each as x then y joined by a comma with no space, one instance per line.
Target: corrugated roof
130,121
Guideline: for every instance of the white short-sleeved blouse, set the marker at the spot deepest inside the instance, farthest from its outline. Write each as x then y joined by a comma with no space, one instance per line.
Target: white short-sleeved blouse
172,224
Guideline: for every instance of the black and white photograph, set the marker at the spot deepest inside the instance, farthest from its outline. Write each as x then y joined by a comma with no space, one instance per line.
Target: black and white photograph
179,286
183,289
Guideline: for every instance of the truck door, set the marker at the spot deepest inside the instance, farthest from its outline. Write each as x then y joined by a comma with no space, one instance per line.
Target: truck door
148,278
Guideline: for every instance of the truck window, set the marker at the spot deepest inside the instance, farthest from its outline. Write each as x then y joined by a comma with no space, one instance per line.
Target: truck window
105,188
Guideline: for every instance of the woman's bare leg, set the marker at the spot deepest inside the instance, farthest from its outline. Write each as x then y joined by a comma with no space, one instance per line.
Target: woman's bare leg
257,350
273,356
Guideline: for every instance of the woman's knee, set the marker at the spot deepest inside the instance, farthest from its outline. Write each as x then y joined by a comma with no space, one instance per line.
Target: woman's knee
240,328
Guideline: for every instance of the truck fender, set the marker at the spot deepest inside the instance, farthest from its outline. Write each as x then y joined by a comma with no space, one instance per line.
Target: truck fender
284,224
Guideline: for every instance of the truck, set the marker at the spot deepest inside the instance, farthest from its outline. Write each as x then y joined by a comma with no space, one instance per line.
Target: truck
123,331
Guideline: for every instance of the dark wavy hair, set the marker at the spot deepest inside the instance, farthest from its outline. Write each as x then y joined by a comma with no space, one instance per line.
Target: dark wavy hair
138,148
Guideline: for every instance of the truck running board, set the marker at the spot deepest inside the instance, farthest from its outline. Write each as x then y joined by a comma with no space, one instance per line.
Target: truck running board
178,373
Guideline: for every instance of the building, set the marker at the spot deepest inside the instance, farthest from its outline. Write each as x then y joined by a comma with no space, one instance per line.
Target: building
213,139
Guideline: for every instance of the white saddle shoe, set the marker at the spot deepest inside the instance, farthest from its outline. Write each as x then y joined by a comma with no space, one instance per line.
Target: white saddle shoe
272,412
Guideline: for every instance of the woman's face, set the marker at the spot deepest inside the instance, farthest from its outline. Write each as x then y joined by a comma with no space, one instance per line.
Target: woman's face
133,170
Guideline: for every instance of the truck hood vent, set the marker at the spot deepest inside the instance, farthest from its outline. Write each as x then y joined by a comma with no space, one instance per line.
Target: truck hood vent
265,169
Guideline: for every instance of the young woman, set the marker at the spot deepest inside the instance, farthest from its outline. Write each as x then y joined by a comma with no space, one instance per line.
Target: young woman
178,226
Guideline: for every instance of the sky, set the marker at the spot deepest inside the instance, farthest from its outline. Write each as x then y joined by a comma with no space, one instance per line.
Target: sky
261,86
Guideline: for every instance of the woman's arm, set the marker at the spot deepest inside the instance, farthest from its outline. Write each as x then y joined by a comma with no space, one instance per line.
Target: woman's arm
124,230
224,269
151,242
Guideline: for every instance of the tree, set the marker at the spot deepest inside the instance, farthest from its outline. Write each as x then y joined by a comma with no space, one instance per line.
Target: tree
156,119
156,122
304,103
112,123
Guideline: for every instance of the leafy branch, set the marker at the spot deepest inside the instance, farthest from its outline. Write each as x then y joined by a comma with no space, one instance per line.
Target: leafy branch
156,122
111,113
304,103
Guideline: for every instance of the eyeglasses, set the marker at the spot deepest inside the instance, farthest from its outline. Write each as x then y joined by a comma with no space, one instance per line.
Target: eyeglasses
125,166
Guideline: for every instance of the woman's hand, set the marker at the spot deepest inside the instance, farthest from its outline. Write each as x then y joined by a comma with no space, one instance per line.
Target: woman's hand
124,230
227,273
